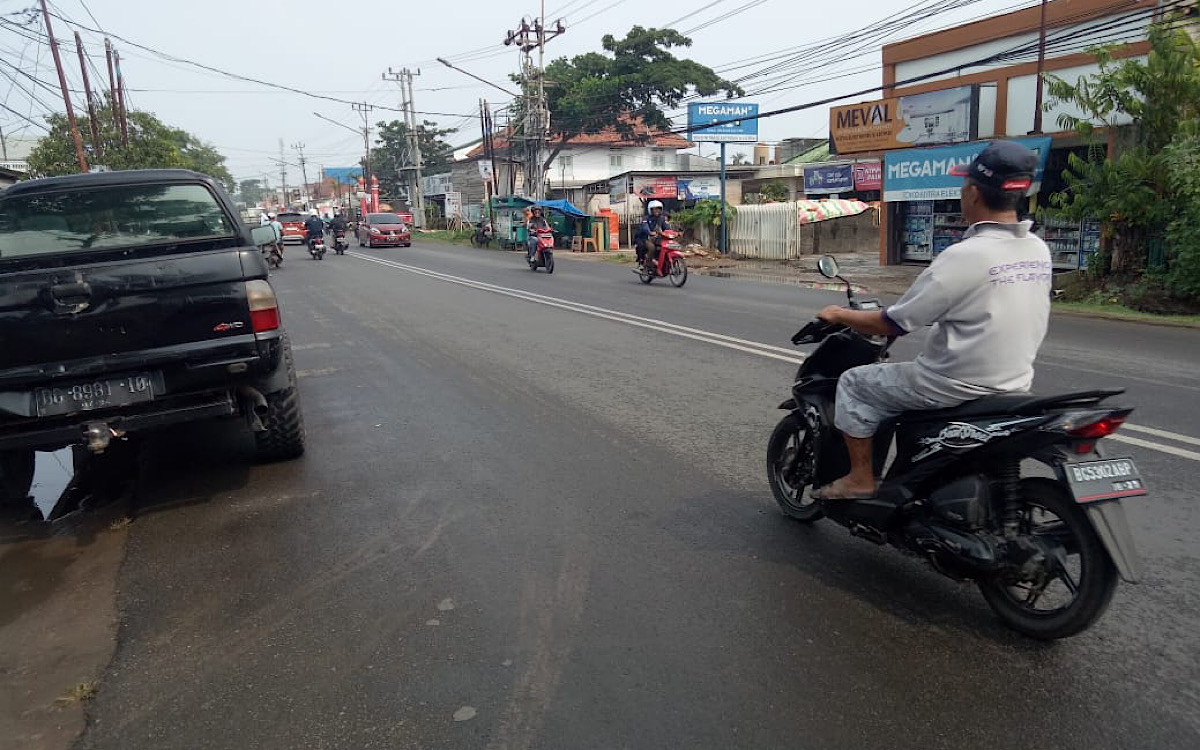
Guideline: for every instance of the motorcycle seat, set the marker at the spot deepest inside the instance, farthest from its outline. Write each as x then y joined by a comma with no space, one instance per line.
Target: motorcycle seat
1021,404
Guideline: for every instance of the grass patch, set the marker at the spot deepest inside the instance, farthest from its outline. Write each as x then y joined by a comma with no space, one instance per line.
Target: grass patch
1121,312
445,235
619,258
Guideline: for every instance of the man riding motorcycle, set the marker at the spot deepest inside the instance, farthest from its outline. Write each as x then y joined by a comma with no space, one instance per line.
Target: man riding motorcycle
653,225
536,222
316,229
988,300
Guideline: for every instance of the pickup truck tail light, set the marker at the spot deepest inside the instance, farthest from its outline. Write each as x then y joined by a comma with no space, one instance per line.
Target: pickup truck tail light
264,306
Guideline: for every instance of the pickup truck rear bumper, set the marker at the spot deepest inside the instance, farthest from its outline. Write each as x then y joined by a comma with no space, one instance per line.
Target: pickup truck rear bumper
70,430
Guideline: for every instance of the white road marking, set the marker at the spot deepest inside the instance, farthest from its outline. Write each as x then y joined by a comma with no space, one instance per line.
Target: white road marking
729,342
1156,446
1162,434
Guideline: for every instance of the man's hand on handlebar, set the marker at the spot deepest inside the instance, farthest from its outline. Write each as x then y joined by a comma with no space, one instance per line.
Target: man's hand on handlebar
871,322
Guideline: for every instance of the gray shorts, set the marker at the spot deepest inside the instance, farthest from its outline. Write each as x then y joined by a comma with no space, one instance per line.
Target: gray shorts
871,394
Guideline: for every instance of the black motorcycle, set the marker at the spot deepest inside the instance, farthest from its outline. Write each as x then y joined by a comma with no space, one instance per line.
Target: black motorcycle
1045,551
484,234
340,243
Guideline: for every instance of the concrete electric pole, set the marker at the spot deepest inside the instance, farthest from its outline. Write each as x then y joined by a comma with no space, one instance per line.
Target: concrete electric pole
535,128
87,91
304,196
365,110
413,163
62,82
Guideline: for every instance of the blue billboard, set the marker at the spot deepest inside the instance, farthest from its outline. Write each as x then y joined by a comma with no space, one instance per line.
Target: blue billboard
734,128
923,174
343,175
827,180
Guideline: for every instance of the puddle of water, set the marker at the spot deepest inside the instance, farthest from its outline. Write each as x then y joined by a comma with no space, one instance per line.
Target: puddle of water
52,473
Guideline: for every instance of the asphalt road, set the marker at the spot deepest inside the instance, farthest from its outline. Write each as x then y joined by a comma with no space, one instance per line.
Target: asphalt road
523,523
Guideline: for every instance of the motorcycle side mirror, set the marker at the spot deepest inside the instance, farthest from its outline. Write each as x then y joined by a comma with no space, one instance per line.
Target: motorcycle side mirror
263,235
828,266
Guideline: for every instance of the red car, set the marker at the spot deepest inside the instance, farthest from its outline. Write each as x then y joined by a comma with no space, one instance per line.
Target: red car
383,230
293,227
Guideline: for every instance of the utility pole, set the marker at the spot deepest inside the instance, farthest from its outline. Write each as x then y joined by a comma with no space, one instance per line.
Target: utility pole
283,176
87,91
1041,69
62,82
303,173
121,100
112,82
416,192
365,110
536,128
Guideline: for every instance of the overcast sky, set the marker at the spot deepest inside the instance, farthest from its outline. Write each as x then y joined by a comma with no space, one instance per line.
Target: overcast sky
341,50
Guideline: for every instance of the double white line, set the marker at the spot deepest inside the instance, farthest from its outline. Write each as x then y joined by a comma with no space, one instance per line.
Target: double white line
737,344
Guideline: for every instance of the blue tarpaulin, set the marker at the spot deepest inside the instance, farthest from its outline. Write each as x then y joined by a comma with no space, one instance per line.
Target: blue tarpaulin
564,206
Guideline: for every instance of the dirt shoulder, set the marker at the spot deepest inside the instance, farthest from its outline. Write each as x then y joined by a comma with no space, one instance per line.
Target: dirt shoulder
58,626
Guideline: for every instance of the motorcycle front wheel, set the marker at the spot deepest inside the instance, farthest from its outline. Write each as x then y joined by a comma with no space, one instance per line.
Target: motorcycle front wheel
548,259
790,457
1073,587
678,272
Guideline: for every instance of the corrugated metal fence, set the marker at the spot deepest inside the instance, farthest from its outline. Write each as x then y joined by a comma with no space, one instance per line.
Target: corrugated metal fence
773,232
770,231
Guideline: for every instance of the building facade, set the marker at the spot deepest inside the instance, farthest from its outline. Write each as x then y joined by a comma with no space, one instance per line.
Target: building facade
946,94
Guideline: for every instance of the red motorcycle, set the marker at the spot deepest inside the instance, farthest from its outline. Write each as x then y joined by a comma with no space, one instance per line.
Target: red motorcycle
668,260
543,257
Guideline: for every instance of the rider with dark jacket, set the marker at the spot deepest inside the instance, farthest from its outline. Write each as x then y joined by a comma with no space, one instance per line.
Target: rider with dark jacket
315,227
653,225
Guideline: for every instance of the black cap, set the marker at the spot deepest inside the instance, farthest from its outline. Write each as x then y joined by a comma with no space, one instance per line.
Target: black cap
1003,165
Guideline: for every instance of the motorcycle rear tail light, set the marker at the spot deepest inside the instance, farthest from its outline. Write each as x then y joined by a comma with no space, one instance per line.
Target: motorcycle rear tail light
1103,427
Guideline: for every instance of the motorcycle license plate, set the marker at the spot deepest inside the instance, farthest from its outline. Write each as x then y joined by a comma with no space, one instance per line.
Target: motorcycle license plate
101,393
1110,479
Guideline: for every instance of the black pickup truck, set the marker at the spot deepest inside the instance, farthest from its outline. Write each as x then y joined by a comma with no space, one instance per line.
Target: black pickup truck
131,301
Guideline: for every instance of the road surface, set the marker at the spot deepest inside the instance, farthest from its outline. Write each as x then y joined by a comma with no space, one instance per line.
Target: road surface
532,517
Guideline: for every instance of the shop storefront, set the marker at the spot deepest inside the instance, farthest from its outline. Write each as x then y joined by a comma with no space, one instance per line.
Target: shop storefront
925,213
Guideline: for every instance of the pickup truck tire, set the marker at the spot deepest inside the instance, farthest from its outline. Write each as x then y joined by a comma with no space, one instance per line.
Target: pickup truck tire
16,476
283,438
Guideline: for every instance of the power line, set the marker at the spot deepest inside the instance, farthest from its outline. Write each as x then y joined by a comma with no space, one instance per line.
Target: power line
237,76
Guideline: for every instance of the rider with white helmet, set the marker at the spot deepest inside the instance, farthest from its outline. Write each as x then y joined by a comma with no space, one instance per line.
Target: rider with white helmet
653,225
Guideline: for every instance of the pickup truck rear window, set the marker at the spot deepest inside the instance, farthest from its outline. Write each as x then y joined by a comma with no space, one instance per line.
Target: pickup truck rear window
109,217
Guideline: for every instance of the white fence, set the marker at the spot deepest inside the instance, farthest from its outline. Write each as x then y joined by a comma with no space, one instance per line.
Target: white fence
770,231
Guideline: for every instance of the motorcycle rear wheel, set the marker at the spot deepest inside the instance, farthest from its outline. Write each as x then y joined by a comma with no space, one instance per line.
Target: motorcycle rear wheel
791,436
1089,577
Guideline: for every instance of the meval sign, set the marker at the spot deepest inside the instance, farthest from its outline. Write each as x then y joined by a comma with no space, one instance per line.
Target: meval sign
734,128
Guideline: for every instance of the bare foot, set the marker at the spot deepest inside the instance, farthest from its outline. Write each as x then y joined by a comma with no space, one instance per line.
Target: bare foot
843,489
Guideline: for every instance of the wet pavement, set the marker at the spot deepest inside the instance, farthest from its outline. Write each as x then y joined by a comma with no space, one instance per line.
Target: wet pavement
540,524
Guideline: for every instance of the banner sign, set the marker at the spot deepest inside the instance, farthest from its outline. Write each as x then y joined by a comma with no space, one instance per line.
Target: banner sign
838,178
923,174
733,129
454,205
343,175
650,188
618,188
868,175
946,116
485,170
699,188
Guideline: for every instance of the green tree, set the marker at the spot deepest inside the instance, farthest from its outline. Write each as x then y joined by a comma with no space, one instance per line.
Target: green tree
774,192
391,153
633,80
252,191
152,145
1138,192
